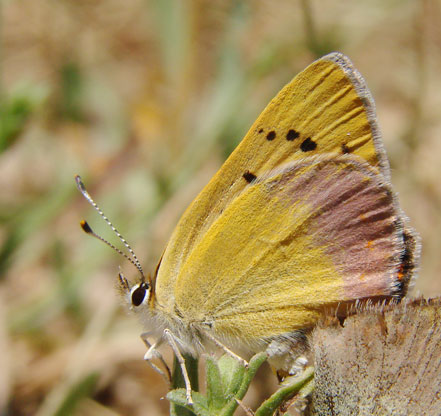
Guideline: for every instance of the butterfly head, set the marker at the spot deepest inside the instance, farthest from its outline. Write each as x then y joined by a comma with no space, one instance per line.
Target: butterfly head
137,295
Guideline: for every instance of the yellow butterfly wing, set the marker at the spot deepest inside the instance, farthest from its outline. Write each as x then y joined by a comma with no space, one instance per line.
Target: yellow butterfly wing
310,235
327,108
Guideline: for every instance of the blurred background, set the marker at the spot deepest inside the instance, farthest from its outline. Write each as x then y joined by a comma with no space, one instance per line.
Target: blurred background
145,99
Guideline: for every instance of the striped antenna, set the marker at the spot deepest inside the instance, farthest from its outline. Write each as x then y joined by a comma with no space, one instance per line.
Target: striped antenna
86,228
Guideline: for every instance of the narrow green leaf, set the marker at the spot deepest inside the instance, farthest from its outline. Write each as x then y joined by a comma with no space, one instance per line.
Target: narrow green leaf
82,389
16,109
269,406
179,398
215,387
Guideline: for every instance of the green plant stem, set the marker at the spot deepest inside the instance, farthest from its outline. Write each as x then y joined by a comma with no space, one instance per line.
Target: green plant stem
254,364
191,364
300,382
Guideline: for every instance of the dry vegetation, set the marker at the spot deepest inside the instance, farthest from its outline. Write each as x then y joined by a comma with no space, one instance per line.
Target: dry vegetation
145,99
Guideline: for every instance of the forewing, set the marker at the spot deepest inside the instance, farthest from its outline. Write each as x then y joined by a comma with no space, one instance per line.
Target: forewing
325,109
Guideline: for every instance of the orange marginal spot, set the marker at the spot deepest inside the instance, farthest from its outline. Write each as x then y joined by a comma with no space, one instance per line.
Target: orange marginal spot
369,244
400,273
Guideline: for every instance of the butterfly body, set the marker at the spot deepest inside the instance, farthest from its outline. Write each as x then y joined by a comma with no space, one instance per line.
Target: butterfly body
300,219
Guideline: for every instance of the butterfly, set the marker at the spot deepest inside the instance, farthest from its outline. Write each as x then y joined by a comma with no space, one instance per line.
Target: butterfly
300,219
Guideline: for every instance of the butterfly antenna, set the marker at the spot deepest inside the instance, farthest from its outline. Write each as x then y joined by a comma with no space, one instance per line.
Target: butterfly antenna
87,229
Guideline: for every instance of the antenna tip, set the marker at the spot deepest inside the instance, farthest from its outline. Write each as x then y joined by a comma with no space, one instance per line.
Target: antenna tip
85,226
80,183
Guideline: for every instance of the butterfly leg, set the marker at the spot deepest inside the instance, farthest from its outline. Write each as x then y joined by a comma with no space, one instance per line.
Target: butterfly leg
227,350
153,352
246,409
172,342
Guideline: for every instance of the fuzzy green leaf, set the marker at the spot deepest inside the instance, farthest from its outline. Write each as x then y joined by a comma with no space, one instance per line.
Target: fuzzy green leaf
232,374
215,386
199,406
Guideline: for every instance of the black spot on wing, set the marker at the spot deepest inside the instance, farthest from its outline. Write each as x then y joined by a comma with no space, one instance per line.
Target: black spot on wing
308,145
260,131
291,135
249,177
271,135
345,149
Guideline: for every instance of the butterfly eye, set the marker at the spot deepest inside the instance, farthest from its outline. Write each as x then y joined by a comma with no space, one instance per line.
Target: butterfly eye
139,294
